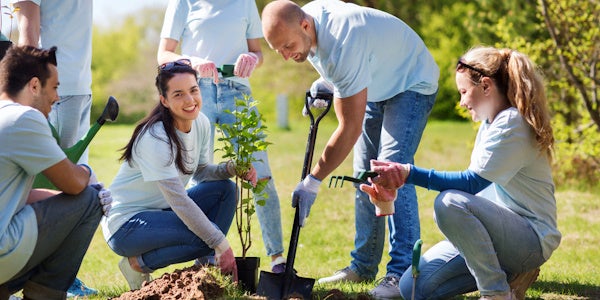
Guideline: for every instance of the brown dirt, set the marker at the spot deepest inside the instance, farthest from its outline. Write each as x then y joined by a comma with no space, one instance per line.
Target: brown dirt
191,283
196,283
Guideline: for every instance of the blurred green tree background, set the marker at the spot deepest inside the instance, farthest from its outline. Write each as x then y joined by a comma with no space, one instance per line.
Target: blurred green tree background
561,36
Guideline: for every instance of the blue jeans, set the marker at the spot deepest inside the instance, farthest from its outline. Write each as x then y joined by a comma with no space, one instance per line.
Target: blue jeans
487,245
392,130
158,238
215,100
66,226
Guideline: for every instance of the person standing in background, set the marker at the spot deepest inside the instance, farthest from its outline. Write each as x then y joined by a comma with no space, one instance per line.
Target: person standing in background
66,24
214,33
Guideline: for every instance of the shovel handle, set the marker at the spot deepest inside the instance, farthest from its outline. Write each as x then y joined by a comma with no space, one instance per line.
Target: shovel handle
314,126
416,256
308,155
226,70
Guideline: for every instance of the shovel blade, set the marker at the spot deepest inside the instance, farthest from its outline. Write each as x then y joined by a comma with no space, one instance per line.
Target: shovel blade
273,286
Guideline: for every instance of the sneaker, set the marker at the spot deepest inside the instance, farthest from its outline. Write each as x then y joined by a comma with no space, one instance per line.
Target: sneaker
78,288
278,265
134,278
344,274
208,260
509,296
522,282
388,288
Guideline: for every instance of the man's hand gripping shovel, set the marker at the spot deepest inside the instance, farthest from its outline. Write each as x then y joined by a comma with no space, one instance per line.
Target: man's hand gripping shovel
288,284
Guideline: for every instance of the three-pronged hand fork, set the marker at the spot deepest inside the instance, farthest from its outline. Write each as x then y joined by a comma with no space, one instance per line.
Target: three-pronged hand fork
361,178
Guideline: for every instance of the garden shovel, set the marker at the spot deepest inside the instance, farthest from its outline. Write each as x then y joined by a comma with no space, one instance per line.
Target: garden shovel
110,112
226,70
416,256
287,284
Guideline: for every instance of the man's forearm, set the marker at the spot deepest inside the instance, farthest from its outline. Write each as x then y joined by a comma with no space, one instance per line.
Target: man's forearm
28,15
337,149
350,113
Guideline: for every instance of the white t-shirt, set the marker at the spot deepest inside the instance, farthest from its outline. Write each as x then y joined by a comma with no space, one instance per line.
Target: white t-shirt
27,148
506,154
216,30
67,24
134,188
360,47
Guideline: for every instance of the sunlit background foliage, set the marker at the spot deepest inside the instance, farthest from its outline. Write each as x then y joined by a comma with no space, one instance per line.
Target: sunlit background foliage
561,36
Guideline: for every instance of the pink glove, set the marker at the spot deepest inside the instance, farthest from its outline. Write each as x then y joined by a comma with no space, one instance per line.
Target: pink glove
383,199
205,68
250,175
245,64
225,259
391,175
377,193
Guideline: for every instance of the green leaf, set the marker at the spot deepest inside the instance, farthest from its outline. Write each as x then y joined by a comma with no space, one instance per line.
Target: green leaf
239,141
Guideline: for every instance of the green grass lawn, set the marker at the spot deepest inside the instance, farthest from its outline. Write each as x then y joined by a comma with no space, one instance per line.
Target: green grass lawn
573,272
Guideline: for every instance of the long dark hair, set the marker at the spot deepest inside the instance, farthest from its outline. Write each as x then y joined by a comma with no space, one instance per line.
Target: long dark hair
162,114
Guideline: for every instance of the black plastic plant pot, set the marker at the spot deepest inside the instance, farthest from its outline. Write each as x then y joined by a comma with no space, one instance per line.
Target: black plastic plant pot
248,273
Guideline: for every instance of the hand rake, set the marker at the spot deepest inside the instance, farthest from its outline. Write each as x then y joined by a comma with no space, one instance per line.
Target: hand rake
362,178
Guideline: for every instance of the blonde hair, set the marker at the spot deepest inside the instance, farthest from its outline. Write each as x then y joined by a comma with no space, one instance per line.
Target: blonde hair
521,82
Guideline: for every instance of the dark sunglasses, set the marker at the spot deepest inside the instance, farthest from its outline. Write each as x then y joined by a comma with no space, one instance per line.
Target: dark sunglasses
180,62
460,64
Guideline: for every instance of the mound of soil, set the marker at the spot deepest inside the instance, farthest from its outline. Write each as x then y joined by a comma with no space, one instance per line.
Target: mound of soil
189,283
196,283
336,294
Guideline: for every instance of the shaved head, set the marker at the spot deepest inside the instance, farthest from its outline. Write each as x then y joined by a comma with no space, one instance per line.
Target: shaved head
281,12
279,16
288,29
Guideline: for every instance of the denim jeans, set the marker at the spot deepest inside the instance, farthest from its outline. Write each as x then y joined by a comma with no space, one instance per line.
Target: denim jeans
215,100
392,130
496,242
70,116
66,226
158,238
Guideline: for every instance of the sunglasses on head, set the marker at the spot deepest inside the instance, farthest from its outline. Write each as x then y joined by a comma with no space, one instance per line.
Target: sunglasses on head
460,65
180,62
